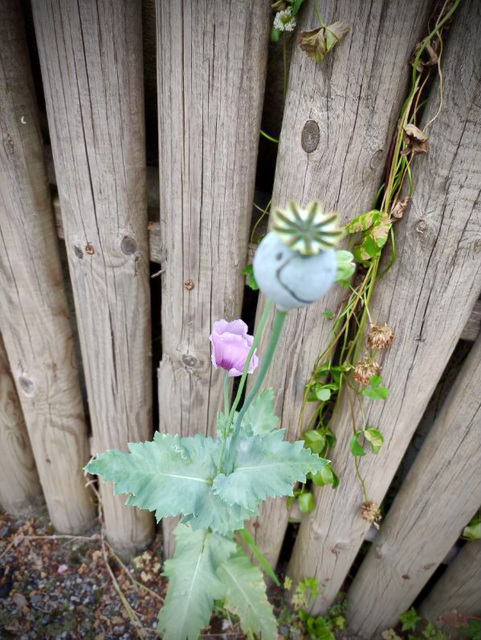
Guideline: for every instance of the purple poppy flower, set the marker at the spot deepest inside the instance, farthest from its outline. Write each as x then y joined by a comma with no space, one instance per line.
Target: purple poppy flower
230,347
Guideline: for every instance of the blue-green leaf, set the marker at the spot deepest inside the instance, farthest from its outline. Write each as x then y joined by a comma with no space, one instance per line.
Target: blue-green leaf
172,476
169,475
246,596
265,466
193,582
260,419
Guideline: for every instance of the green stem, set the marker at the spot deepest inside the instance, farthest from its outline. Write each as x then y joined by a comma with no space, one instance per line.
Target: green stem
284,62
279,318
242,382
271,138
261,559
226,394
316,9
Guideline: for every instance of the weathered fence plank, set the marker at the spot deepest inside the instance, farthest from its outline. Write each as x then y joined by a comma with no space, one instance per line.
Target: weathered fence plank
439,496
427,297
91,60
211,61
34,315
354,96
19,483
458,589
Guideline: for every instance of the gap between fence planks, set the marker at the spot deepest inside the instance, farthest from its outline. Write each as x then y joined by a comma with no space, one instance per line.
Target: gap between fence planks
91,61
211,61
458,589
354,96
426,297
19,483
34,315
435,502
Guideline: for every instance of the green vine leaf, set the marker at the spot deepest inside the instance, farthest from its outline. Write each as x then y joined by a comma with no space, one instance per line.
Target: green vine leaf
325,476
376,391
473,530
246,596
265,466
374,437
345,266
356,448
315,441
193,582
251,282
363,222
305,501
260,419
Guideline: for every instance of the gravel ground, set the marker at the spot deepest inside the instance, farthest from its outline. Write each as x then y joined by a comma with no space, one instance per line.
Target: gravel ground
76,587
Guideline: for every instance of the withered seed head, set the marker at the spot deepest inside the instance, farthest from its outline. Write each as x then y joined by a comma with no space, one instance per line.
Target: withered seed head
370,512
380,336
365,370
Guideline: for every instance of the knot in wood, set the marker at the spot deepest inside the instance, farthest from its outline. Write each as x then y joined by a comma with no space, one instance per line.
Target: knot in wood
78,252
89,249
189,285
421,226
26,385
128,246
477,244
310,136
189,360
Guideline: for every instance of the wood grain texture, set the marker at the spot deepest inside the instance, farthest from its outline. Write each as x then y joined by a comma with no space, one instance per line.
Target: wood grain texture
438,498
20,486
458,589
91,60
34,316
211,69
426,297
354,96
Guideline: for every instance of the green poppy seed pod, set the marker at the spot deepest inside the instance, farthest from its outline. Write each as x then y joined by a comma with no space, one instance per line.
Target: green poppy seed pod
289,278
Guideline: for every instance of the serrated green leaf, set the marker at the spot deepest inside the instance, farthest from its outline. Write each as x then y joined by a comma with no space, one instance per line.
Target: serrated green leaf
357,449
193,582
409,619
260,419
265,466
169,475
246,596
374,437
172,476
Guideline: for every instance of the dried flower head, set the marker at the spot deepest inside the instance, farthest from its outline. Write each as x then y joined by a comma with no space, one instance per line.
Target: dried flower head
365,370
416,140
380,336
308,231
284,21
399,209
370,512
279,5
319,42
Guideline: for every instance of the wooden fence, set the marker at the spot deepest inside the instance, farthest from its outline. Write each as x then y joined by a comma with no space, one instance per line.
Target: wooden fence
211,75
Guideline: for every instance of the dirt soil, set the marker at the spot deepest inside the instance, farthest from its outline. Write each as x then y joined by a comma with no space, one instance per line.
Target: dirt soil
76,587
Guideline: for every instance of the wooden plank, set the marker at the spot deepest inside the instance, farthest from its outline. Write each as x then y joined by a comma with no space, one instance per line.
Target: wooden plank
354,96
91,60
211,69
34,315
427,297
439,496
458,589
473,325
19,483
